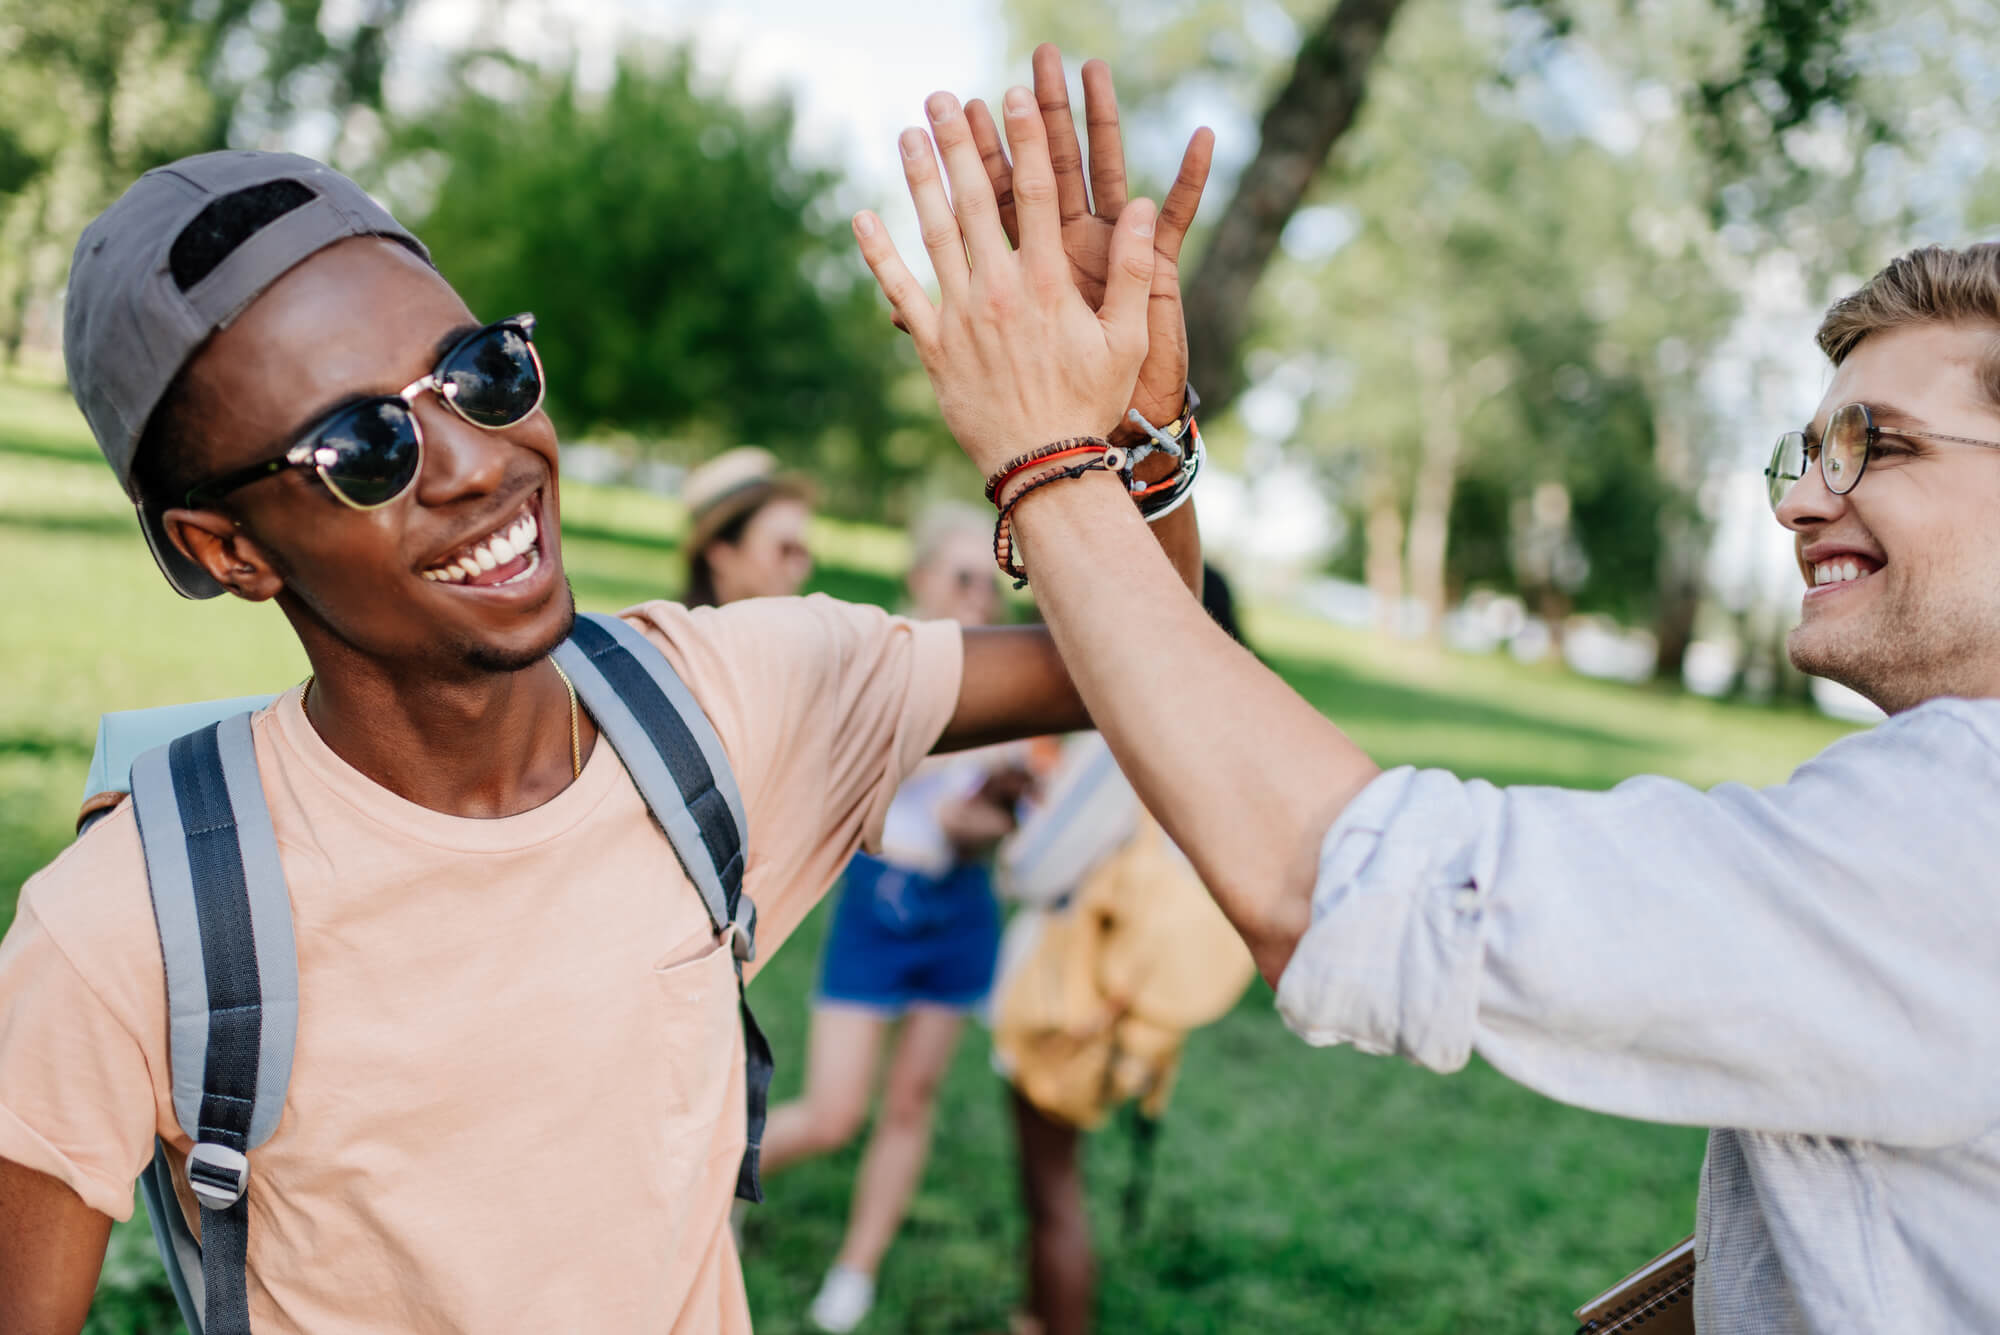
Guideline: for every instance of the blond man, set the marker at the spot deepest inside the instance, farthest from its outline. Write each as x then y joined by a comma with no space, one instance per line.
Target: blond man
1811,969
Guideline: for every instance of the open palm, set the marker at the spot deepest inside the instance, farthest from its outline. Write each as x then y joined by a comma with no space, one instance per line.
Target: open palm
1089,215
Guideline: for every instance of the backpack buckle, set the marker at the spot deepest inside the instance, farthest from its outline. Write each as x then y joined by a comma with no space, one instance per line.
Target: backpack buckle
217,1175
743,930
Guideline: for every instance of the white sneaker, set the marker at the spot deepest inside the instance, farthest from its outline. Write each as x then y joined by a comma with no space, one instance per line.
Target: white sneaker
844,1298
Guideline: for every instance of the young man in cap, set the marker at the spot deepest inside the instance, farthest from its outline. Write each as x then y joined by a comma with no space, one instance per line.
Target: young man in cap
518,1086
1812,969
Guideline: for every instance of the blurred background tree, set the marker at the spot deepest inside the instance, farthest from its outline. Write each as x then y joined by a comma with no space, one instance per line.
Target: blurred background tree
697,282
94,92
1489,259
694,282
1532,303
1494,255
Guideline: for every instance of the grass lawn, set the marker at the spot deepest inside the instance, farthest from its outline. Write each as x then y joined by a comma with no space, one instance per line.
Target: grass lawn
1294,1189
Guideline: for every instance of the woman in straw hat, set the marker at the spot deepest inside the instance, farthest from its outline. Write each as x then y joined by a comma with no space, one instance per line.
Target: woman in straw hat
747,529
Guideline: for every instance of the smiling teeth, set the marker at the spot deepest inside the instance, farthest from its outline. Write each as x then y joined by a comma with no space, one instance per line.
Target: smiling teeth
1836,572
515,541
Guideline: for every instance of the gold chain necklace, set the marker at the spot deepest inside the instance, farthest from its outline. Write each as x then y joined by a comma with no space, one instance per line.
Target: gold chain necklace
575,736
575,729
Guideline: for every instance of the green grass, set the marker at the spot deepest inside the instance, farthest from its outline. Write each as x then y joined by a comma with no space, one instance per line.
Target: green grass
1295,1189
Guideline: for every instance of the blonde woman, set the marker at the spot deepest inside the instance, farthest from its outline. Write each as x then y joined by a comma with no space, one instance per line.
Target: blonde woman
911,948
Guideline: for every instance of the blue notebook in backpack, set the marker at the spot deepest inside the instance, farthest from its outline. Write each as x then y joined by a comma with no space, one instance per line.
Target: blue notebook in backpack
225,923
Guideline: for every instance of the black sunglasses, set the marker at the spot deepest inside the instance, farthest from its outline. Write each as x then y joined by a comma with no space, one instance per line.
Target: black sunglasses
368,453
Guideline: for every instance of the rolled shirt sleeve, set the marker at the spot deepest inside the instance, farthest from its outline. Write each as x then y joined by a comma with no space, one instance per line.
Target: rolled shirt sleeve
1822,956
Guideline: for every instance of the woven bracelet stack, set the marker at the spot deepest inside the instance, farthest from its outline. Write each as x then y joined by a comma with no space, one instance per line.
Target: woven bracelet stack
1077,455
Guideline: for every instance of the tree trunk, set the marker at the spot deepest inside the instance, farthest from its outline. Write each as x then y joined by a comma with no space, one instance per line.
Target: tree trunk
24,283
1673,632
1683,541
17,322
1437,480
1384,562
1299,129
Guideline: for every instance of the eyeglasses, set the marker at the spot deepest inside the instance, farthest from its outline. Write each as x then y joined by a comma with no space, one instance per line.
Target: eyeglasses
1851,436
368,453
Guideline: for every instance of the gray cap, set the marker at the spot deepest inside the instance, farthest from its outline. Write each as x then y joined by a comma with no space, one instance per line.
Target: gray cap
138,306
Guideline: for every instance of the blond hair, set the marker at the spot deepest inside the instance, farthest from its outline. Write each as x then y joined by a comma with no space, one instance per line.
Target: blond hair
939,524
1933,285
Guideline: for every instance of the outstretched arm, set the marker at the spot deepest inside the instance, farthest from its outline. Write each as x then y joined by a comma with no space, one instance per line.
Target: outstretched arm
1242,772
1015,684
51,1248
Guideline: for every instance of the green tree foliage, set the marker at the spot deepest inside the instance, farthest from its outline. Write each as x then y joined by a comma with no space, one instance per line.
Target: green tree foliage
267,62
1498,314
1592,285
98,91
692,281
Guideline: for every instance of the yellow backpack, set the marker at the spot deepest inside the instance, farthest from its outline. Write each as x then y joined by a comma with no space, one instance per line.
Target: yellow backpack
1097,1009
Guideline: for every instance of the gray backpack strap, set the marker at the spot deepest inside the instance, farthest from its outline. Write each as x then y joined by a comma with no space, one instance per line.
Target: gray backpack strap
676,761
225,923
669,747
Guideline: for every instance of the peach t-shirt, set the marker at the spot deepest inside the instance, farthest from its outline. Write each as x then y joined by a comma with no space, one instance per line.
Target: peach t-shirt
517,1094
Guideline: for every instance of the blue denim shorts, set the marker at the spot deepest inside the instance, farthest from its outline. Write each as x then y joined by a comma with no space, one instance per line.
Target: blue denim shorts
900,938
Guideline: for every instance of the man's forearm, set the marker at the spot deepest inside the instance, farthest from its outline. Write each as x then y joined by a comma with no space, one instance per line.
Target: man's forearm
1015,683
51,1248
1179,536
1242,772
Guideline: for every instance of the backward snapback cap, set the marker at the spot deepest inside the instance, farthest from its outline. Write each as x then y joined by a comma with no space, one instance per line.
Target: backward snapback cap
147,288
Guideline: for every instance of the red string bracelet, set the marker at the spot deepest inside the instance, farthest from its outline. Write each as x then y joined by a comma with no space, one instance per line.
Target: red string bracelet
1061,449
1108,458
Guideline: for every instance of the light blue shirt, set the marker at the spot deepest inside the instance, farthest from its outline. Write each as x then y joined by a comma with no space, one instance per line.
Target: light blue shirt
1813,969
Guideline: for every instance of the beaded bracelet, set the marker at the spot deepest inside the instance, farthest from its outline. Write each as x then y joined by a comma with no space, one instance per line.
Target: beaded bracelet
1108,458
1061,449
1156,500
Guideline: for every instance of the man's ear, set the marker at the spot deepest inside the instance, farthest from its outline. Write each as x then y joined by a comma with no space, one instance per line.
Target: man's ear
231,557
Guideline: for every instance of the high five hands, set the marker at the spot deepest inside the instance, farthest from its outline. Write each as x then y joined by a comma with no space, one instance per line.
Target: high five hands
1088,220
1059,337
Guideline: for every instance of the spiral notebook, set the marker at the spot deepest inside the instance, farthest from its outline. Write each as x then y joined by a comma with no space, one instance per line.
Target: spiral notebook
1655,1299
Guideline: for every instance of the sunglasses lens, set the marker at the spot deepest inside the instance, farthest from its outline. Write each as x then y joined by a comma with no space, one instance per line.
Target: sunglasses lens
1787,466
495,378
371,454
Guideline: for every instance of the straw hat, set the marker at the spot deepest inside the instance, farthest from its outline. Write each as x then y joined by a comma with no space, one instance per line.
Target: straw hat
733,484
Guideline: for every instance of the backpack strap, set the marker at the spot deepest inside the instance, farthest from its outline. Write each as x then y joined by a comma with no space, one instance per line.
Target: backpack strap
225,924
677,763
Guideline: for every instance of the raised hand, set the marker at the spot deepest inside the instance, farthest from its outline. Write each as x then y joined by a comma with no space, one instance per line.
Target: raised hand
1089,217
1016,355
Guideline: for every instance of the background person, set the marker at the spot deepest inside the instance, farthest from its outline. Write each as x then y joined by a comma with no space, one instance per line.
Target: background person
913,943
1117,953
746,529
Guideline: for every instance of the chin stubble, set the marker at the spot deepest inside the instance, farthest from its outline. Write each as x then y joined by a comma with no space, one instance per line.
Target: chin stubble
487,658
1908,651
